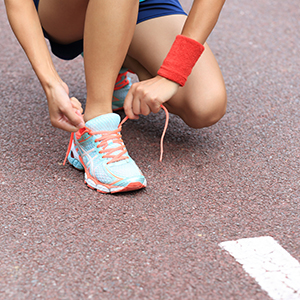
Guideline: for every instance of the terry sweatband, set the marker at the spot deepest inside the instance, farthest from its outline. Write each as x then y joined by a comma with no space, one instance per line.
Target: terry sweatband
181,59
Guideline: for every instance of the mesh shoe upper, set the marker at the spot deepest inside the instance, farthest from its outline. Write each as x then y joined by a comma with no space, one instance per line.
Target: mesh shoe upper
103,152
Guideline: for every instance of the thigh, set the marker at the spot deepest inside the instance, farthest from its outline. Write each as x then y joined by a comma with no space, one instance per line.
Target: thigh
204,90
63,20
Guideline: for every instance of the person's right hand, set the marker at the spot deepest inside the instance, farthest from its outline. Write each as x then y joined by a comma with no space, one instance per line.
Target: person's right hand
148,96
65,112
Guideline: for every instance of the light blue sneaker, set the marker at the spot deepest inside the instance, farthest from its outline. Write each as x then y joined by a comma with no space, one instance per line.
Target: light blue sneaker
122,87
73,157
103,156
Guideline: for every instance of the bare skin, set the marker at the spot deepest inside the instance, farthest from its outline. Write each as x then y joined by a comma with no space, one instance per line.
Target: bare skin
200,103
110,33
65,112
104,55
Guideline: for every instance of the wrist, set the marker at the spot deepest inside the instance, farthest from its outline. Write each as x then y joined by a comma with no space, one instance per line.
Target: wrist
46,74
50,81
52,86
176,84
181,59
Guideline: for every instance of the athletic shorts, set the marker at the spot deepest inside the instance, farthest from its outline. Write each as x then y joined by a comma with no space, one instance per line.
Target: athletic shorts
148,9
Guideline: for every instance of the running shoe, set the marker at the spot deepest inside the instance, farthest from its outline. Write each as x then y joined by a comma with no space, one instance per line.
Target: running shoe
73,156
121,89
103,156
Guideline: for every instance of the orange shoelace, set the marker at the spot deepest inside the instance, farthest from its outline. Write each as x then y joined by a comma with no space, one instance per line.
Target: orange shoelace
69,147
106,136
116,137
164,132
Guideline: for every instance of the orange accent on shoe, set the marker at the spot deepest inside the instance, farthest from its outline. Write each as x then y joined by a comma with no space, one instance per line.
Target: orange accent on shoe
117,138
114,135
89,176
119,178
114,99
130,187
120,83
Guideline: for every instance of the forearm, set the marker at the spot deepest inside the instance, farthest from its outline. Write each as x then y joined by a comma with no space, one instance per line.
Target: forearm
202,19
26,26
188,47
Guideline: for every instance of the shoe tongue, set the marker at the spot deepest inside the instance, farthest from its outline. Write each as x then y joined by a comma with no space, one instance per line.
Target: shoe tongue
107,122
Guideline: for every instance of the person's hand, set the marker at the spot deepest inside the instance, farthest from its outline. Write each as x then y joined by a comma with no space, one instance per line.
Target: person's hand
65,112
148,96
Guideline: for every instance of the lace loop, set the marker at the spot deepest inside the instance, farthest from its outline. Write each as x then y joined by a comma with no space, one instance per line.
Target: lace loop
116,138
69,147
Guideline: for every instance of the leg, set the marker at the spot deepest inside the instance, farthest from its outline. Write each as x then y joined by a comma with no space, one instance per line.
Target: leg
107,27
202,101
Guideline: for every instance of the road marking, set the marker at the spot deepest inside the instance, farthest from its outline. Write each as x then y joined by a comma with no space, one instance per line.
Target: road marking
275,270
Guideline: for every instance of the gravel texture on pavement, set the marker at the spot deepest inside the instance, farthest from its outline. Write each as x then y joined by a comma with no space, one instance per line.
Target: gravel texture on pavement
236,179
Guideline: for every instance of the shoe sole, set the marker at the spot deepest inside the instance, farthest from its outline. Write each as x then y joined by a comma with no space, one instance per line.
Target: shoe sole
133,186
107,188
103,189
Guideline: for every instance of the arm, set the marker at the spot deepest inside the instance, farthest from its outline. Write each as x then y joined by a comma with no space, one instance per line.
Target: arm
198,26
65,113
202,19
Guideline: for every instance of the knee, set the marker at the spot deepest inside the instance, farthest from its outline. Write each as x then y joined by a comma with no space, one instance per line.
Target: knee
208,111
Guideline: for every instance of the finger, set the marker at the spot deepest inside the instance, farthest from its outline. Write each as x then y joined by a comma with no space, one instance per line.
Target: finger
76,104
64,125
136,105
144,108
73,118
128,105
152,102
155,107
78,112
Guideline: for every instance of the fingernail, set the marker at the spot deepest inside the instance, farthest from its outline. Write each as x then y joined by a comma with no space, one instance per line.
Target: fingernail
81,125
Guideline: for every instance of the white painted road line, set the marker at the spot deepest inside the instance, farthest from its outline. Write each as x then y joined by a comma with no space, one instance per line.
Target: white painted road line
275,270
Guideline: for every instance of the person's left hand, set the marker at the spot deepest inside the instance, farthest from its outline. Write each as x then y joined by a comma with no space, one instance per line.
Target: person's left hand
148,96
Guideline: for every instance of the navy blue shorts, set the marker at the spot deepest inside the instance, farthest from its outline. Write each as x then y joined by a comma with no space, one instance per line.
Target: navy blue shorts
148,9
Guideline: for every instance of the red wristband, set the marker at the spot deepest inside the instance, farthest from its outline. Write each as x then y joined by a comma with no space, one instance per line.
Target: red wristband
181,59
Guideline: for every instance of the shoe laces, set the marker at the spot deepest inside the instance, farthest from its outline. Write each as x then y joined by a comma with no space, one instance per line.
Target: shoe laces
164,132
116,137
113,136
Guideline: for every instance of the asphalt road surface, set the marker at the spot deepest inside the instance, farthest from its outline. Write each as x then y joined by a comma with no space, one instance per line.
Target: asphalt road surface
238,179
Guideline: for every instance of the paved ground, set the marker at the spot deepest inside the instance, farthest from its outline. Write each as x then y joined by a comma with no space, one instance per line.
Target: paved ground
237,179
